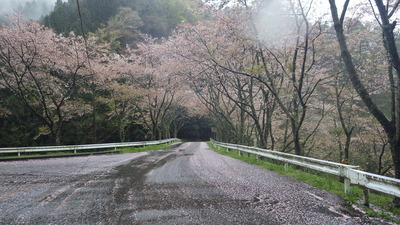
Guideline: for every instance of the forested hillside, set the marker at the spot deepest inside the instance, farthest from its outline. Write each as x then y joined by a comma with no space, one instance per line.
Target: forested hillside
120,22
281,76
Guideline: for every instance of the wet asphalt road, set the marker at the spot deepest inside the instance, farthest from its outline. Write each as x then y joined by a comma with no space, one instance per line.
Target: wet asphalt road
186,184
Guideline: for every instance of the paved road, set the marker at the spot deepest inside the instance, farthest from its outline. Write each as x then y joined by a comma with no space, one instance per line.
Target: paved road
187,184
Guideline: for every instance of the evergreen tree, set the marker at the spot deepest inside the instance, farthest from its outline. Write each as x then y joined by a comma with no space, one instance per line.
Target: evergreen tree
159,17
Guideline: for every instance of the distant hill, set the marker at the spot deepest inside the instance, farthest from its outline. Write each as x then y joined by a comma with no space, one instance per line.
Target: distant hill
120,21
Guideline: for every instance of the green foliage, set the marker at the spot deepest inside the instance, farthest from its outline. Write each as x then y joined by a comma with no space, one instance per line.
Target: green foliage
120,19
161,18
65,18
62,19
144,148
20,127
121,29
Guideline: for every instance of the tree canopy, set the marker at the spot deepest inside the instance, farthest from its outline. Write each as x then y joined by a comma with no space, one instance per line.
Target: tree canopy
159,17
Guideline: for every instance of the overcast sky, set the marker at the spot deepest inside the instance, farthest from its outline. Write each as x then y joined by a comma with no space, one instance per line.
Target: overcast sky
35,10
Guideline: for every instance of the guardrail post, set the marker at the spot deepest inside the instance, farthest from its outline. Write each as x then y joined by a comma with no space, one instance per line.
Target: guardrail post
286,166
19,153
240,153
344,174
366,196
346,185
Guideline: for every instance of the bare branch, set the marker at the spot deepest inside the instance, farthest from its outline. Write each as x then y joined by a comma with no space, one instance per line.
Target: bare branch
394,9
346,5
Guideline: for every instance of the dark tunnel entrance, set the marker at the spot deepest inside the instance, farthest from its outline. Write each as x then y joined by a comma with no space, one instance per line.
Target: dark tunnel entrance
196,129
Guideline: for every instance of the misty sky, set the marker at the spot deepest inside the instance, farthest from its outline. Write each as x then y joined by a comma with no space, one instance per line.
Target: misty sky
32,9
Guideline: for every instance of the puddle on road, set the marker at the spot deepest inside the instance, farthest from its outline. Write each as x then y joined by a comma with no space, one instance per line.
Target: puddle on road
345,211
261,199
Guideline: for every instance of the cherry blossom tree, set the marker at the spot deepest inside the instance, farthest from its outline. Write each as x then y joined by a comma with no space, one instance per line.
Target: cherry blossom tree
204,79
155,76
383,13
284,74
45,71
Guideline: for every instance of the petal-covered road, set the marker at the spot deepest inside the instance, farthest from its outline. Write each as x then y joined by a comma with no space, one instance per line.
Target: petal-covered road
186,184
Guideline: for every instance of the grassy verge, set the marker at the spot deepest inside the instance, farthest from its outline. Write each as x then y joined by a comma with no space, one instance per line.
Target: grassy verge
144,148
326,182
122,150
5,156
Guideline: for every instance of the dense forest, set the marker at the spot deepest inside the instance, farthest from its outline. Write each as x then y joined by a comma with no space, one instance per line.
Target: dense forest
120,22
275,74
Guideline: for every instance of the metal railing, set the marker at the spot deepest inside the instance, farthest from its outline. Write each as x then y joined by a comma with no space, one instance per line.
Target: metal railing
75,148
351,175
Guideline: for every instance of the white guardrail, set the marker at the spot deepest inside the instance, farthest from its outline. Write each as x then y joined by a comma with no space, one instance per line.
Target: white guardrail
75,148
351,175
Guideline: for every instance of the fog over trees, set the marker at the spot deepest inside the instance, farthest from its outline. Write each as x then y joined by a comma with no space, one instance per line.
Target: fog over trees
32,9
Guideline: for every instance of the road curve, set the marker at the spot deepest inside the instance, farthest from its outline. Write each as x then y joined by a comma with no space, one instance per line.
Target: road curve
185,184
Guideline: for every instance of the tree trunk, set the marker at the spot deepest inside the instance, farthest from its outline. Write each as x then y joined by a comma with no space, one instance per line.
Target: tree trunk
121,131
347,147
56,133
296,138
395,149
392,128
94,120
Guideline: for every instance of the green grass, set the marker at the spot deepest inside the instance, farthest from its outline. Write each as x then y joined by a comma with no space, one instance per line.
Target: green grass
144,148
323,181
